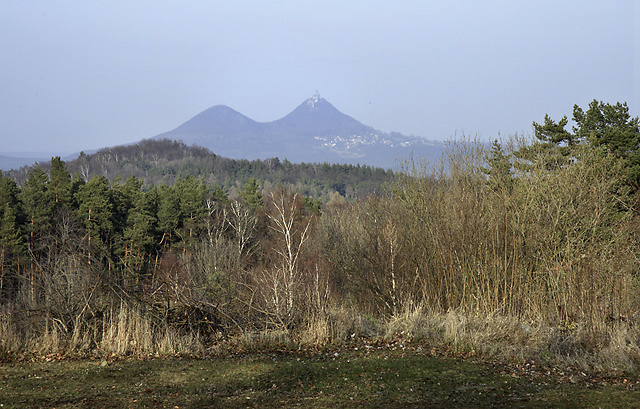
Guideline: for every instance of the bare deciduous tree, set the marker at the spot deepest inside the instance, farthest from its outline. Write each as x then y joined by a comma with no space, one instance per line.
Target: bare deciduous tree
282,282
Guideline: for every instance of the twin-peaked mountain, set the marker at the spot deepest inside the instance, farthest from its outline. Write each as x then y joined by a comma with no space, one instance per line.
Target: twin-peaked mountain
313,132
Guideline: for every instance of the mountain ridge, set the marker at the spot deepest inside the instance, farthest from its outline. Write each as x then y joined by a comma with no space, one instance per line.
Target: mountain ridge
315,131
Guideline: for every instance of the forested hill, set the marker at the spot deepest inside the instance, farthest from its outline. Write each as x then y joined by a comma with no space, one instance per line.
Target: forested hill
160,162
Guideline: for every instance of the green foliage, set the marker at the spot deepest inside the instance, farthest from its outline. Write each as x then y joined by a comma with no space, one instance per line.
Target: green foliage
192,194
602,125
96,211
553,133
60,182
499,171
219,195
169,214
612,127
36,204
11,244
9,194
10,237
314,205
553,148
139,230
251,194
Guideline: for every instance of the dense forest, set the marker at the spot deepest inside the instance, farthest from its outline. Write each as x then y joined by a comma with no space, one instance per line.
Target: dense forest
531,243
160,162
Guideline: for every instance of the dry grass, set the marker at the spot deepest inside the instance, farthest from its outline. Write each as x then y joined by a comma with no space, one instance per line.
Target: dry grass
616,347
542,268
131,332
545,266
337,325
127,331
10,340
124,331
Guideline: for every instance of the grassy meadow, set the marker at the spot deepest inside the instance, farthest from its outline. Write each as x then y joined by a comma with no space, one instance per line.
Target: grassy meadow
379,375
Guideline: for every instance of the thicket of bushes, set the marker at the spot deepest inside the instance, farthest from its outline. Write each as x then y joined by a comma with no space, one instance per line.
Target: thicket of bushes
528,249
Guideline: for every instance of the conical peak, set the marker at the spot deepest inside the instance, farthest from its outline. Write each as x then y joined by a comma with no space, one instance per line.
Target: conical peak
313,101
316,105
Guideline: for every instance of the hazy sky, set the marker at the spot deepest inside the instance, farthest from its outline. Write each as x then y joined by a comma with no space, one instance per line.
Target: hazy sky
79,75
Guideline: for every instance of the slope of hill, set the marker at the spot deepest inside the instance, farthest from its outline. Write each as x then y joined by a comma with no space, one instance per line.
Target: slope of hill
211,128
313,132
317,117
163,161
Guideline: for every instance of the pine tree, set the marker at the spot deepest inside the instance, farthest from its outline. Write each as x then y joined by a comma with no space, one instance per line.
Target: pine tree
251,194
314,205
192,195
95,210
499,170
8,190
553,148
11,243
140,231
9,195
37,205
219,195
169,215
611,127
60,182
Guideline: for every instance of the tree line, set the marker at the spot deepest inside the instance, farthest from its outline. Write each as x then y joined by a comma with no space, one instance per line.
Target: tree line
116,225
159,162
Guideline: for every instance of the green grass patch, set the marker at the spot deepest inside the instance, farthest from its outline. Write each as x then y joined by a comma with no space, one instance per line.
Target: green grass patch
367,377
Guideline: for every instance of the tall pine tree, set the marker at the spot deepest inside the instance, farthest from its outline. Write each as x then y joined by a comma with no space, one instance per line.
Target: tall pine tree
95,210
11,245
37,206
251,194
611,127
59,182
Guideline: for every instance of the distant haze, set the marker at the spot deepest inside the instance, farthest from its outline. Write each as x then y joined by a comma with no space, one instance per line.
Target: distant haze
314,132
81,75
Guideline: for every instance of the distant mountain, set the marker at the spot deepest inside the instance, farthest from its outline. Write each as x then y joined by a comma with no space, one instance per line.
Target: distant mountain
12,162
17,161
317,117
313,132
